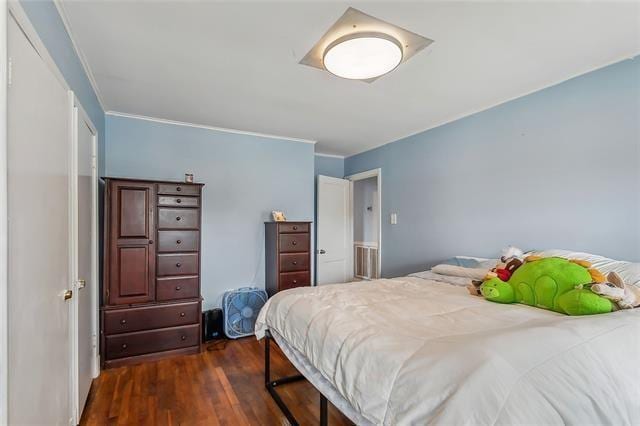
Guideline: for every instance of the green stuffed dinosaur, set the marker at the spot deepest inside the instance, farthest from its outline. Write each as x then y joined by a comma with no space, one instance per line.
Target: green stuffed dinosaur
551,283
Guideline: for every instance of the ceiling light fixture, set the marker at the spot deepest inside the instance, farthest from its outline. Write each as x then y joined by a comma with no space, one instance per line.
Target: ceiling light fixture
362,56
361,47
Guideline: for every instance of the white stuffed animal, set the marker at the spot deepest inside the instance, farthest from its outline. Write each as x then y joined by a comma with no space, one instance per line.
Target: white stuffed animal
511,252
624,296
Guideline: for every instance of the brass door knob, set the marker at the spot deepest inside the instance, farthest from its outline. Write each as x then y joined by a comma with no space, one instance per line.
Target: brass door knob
68,294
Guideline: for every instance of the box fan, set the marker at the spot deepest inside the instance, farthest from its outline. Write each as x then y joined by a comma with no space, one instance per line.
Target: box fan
240,309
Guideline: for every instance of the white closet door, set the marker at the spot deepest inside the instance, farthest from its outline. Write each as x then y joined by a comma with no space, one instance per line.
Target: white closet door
39,123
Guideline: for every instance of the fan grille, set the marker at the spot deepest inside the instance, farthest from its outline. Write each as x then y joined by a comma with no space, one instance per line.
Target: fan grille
241,308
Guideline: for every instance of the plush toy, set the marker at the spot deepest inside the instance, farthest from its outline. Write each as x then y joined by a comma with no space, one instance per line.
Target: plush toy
623,296
510,260
551,283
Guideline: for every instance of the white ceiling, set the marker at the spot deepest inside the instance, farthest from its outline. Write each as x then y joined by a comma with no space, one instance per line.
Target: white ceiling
235,64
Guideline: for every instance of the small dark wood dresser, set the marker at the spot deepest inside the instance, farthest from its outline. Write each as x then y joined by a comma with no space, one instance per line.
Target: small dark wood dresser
288,255
151,303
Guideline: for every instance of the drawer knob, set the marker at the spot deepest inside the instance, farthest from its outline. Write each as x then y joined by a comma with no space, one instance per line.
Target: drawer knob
123,321
183,337
293,243
178,288
178,201
178,241
295,228
295,281
182,314
178,218
295,263
178,265
150,241
124,346
178,189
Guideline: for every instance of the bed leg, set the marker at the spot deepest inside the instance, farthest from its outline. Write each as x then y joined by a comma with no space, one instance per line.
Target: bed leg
267,359
272,384
324,418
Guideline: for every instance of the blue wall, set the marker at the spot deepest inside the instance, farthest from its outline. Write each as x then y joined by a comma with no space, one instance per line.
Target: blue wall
45,19
559,168
245,177
329,166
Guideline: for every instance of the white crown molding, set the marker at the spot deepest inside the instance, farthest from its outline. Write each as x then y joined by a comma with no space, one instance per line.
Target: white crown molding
320,154
495,104
202,126
81,57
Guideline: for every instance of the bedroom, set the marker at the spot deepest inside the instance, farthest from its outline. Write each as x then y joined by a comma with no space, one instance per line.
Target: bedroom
146,145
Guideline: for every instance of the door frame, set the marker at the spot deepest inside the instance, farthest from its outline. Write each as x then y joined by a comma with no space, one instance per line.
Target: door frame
377,173
4,211
79,115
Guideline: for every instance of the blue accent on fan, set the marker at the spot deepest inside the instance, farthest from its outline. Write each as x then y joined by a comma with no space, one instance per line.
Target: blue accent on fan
240,309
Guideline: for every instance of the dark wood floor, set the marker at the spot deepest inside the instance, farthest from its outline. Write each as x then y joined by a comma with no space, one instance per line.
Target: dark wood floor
222,385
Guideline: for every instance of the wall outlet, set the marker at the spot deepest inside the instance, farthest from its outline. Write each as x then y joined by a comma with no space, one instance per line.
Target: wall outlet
394,218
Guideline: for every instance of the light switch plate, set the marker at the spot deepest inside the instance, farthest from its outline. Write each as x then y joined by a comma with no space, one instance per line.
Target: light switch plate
394,218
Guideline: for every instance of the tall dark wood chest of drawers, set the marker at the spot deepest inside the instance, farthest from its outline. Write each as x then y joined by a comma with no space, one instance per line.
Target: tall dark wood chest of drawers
151,304
288,255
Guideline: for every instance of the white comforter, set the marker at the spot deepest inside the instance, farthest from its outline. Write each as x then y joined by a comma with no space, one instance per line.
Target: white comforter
413,351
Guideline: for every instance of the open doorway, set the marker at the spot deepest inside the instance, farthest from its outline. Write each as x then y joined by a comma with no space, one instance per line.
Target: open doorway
366,224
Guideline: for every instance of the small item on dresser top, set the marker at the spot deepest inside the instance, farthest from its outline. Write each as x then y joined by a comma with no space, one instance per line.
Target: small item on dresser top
278,216
188,177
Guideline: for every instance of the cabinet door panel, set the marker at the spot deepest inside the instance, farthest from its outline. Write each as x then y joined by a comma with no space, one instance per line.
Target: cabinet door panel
134,271
132,263
134,222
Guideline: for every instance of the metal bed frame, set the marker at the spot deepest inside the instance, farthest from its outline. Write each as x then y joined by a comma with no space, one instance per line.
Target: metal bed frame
272,384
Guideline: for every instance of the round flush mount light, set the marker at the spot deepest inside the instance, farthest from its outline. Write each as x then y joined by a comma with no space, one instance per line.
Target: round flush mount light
362,56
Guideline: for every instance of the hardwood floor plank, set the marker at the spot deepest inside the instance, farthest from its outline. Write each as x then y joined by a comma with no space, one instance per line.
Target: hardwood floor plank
222,385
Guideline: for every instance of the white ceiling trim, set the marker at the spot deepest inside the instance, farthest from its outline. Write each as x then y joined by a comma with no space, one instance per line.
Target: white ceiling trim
202,126
83,60
493,105
320,154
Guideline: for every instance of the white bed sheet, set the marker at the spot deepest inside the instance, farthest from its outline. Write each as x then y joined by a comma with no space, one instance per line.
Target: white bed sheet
414,351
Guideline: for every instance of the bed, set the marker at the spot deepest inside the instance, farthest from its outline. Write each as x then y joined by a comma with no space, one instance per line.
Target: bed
416,351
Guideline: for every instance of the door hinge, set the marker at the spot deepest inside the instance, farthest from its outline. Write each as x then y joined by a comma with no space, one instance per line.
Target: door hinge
10,71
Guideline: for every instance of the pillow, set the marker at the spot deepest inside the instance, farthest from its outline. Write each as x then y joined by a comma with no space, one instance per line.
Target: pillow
628,271
459,271
428,275
471,262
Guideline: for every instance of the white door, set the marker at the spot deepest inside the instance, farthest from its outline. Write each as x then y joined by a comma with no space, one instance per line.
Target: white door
334,233
39,142
85,302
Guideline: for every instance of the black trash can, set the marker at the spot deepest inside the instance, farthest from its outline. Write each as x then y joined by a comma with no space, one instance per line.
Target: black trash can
212,325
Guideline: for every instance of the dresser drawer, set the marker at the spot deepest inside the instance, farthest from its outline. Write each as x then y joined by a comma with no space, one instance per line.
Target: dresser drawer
144,342
177,264
290,262
166,200
178,241
177,218
149,317
178,189
294,279
173,288
294,242
293,227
